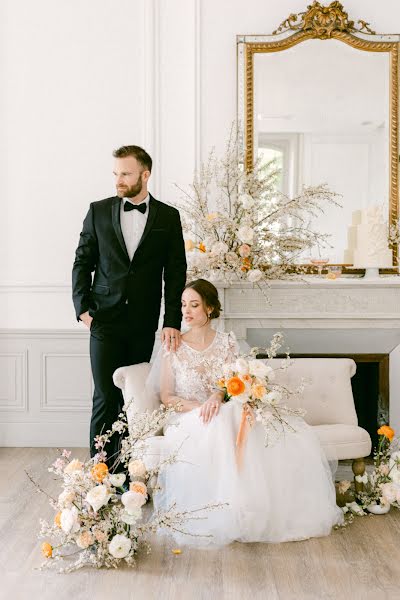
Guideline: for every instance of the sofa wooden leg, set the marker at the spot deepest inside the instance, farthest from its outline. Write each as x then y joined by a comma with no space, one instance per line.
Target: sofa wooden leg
358,467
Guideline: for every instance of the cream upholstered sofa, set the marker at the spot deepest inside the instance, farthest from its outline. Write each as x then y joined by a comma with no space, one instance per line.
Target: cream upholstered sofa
327,399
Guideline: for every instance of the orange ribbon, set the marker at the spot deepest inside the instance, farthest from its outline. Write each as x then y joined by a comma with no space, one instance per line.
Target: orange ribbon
246,423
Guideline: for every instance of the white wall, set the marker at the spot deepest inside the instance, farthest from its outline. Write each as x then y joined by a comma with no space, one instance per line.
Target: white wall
78,79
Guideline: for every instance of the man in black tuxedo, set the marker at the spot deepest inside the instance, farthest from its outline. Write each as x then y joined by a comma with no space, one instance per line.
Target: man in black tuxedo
131,242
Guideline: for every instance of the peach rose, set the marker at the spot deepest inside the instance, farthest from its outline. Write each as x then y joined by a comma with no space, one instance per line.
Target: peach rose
99,472
258,391
235,386
139,487
47,550
74,465
57,520
387,431
85,539
244,250
189,245
221,383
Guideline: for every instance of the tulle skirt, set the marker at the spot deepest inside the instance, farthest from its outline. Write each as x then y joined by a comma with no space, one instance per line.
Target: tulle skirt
281,492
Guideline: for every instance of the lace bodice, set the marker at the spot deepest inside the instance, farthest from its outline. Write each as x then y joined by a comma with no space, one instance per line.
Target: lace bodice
196,372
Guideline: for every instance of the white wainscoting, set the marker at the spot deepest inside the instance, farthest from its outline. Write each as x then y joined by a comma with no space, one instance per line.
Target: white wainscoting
45,388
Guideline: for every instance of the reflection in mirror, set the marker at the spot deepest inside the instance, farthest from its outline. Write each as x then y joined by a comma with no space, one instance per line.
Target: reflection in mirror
321,110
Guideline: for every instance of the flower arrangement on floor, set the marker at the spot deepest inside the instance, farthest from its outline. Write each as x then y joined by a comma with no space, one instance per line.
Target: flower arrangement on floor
98,520
240,228
381,484
250,382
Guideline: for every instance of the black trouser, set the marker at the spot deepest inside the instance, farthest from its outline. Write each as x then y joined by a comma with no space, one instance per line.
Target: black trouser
112,345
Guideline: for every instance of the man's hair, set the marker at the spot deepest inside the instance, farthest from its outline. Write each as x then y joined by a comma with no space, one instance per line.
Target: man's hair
137,152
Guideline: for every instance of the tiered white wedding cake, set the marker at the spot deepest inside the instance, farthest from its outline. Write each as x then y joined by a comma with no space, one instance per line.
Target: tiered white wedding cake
368,240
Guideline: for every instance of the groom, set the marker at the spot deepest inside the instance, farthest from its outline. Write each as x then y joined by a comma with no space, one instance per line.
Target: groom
130,242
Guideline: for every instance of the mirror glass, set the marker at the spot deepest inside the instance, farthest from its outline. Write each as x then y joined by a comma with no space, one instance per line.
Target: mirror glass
321,108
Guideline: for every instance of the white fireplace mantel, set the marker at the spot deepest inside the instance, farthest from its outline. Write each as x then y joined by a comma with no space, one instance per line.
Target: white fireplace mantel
312,303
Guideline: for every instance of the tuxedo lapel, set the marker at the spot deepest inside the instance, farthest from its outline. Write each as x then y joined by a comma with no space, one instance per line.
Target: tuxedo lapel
116,221
153,209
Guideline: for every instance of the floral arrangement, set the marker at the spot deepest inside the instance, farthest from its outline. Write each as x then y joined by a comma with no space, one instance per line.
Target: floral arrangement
381,484
240,228
250,382
99,519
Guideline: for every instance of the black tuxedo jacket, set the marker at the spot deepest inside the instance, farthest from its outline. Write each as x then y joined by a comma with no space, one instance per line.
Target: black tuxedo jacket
118,280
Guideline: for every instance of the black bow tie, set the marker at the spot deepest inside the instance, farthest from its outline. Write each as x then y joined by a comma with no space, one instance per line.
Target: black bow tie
129,206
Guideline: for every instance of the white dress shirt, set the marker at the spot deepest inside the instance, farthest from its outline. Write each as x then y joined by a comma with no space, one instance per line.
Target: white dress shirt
133,224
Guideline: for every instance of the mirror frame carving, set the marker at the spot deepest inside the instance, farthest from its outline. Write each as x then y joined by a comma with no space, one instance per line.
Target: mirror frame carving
324,23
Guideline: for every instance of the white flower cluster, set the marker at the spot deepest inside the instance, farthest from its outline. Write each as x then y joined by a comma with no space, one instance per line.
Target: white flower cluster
239,227
98,511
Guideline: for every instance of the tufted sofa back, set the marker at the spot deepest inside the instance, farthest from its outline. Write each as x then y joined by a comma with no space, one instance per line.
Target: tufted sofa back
327,397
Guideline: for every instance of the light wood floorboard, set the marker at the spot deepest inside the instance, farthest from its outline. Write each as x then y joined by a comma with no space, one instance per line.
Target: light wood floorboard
360,562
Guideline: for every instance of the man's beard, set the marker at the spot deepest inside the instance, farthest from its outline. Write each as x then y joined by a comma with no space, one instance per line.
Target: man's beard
132,191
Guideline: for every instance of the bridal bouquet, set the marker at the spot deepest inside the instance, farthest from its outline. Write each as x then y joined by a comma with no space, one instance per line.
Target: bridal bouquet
98,518
250,382
239,227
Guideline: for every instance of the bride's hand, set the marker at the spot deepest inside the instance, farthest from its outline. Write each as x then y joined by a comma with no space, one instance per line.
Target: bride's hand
210,408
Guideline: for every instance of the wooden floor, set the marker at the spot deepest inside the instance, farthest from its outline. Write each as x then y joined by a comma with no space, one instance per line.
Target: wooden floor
360,562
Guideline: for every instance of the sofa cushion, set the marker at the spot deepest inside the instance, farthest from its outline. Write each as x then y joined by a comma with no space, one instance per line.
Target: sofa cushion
327,396
344,441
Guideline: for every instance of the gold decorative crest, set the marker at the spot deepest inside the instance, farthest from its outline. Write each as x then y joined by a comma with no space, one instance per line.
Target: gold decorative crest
323,21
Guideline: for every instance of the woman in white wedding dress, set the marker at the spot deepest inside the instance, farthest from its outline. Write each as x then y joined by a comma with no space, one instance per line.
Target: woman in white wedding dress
281,492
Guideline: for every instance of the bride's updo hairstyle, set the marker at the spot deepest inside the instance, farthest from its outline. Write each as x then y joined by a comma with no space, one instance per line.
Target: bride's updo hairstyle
209,295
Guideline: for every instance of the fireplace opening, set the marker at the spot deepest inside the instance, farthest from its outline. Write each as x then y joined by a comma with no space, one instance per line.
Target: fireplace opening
370,386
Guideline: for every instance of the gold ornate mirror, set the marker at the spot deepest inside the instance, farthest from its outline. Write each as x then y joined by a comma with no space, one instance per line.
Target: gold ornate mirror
320,95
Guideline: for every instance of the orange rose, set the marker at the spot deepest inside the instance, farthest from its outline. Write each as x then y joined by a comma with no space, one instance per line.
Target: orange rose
47,550
202,247
235,386
387,431
258,391
99,472
138,487
246,264
57,519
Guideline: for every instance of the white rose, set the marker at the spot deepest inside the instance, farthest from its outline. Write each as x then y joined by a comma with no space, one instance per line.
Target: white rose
98,496
259,368
242,366
66,498
130,518
395,475
219,248
246,200
120,546
74,465
69,520
137,468
132,501
117,479
254,275
231,258
245,234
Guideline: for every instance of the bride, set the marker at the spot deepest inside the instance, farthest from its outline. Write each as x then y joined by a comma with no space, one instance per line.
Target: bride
281,492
